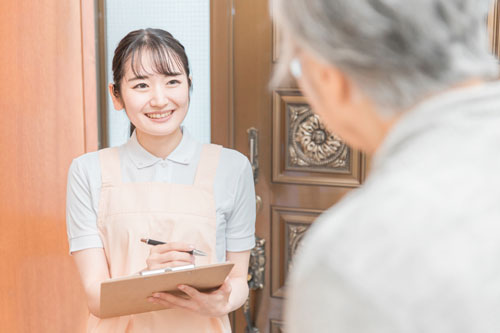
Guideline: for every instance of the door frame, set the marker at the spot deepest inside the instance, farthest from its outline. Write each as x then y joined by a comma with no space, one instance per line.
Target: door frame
222,92
90,63
221,72
494,28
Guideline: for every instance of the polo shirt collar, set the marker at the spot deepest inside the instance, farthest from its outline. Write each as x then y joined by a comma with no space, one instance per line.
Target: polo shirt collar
184,153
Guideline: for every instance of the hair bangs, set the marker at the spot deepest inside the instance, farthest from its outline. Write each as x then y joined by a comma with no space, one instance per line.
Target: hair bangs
162,60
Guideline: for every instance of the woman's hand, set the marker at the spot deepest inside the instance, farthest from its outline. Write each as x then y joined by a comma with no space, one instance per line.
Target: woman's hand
171,254
212,304
229,297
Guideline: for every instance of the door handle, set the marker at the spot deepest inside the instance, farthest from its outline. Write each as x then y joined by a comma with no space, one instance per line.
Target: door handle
257,264
256,274
253,141
258,203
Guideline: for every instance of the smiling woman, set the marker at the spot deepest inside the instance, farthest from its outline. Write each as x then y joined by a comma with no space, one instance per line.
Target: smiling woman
151,82
161,184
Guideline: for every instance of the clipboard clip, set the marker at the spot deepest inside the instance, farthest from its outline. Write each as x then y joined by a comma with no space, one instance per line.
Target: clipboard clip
165,270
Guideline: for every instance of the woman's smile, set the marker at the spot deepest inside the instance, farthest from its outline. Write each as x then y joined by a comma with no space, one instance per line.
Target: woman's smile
159,115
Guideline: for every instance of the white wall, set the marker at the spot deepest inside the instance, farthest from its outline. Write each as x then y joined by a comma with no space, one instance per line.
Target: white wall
189,22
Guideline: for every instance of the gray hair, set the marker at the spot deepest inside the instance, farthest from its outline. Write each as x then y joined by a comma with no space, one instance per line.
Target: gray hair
396,51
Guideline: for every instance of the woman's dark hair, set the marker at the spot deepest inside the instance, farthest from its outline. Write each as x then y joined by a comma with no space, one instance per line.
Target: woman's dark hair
167,56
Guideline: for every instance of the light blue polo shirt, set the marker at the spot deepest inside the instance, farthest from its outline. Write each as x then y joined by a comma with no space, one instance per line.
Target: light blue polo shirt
233,189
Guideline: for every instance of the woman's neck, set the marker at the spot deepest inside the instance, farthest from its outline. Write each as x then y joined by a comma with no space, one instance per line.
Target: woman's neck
160,146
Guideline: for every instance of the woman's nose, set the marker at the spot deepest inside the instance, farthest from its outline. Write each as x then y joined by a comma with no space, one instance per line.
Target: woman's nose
159,97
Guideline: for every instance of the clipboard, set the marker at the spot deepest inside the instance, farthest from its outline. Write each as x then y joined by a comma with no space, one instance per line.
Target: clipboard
128,295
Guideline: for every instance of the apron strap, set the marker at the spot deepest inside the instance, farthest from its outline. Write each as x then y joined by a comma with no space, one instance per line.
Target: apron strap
207,166
110,166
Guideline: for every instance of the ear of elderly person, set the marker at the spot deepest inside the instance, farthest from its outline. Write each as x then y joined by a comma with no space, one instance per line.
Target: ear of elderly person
417,247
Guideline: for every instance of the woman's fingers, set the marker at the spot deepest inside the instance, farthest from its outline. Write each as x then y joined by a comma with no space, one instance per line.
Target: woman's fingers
170,258
207,304
169,261
174,301
176,256
172,246
190,291
169,264
160,301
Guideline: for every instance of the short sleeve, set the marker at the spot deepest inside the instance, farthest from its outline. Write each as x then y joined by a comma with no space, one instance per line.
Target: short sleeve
240,229
81,216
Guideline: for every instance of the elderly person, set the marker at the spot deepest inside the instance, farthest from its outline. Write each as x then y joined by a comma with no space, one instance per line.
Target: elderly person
417,247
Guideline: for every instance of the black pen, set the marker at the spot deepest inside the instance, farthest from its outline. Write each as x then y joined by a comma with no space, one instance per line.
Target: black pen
155,242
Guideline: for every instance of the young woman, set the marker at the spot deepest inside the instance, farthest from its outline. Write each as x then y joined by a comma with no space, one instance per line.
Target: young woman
164,185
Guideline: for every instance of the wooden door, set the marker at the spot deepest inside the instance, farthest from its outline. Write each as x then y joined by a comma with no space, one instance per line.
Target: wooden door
48,108
302,168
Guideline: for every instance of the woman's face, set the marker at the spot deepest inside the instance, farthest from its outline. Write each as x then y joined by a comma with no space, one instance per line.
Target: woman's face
155,103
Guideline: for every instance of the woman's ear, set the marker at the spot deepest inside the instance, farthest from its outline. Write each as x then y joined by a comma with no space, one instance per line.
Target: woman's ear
115,96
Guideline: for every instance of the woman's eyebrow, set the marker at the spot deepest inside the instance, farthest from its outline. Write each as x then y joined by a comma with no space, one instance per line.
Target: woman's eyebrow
138,77
145,77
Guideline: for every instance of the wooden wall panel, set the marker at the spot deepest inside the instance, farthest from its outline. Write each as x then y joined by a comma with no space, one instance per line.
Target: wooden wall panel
288,226
42,128
305,151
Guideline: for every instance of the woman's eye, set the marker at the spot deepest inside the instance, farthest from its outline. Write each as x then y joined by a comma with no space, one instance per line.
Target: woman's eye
141,86
173,82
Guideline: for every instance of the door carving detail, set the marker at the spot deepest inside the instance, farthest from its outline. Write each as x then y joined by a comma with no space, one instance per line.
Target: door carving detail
310,144
295,233
289,225
305,152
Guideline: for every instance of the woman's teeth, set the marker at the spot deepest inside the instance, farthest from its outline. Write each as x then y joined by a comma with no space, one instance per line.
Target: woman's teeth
159,115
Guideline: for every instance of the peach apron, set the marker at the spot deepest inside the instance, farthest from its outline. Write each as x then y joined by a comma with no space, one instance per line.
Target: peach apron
162,211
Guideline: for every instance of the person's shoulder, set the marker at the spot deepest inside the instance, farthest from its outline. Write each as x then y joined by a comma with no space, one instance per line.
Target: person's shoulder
233,166
233,158
86,165
88,159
